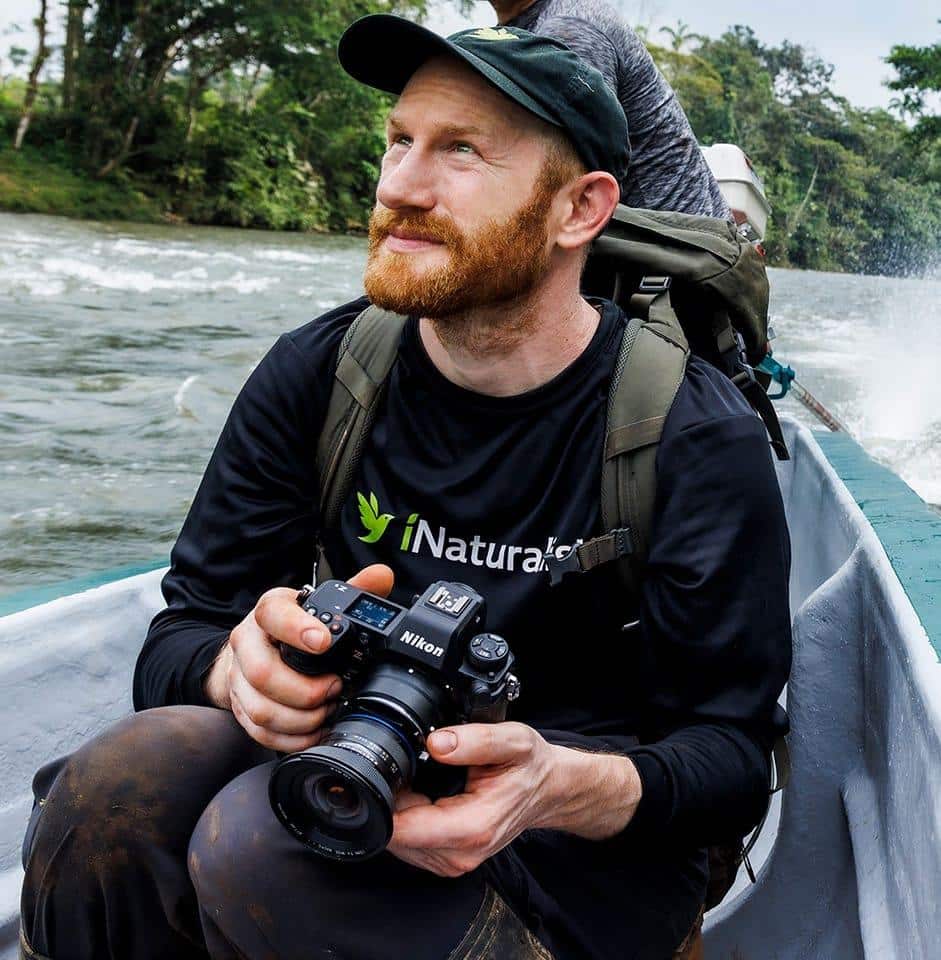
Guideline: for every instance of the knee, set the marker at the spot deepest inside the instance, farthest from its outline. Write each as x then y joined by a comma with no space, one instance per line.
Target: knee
109,839
260,885
234,841
143,782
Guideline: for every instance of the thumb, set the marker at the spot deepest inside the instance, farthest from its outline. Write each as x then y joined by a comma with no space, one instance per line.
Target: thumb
482,744
377,578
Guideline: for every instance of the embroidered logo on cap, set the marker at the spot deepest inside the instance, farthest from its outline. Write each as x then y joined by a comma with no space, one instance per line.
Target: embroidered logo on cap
492,33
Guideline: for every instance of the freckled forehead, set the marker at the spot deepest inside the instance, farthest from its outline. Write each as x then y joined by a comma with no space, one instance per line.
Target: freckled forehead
447,91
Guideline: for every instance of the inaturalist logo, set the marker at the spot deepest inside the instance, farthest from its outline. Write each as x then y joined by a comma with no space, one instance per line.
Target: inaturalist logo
417,641
418,536
369,515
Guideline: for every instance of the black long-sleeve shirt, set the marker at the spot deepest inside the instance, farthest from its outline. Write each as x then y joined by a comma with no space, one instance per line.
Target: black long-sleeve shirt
478,489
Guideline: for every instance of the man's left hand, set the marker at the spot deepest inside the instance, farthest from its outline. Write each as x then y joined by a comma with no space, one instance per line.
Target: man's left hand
516,781
509,768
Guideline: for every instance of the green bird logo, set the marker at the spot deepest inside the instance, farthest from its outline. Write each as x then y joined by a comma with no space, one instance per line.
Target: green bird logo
374,523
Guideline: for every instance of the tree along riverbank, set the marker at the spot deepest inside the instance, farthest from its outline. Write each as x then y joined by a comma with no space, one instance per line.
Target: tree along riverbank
239,115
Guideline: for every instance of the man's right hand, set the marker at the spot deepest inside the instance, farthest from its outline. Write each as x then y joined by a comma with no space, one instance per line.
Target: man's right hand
280,708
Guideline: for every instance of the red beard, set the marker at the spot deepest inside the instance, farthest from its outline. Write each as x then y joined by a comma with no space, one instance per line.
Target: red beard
500,262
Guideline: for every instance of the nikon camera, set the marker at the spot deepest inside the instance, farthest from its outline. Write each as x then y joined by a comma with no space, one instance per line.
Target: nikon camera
406,671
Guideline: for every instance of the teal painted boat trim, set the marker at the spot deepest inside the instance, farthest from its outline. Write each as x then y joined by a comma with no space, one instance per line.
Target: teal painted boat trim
25,599
909,529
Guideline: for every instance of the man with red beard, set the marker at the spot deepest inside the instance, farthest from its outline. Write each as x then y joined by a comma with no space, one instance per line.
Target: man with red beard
579,831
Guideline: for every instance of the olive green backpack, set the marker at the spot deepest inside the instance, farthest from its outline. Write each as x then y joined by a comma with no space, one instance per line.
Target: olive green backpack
685,283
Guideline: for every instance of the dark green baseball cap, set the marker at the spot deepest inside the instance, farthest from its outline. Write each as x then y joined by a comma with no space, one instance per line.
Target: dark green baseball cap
541,74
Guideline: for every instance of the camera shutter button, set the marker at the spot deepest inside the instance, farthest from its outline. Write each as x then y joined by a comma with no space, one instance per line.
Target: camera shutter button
487,651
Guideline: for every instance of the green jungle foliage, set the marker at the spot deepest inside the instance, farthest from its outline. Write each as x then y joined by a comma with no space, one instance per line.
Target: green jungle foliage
851,189
224,111
236,112
919,78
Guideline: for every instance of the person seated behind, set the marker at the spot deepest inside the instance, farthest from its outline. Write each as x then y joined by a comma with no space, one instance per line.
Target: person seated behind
581,828
668,170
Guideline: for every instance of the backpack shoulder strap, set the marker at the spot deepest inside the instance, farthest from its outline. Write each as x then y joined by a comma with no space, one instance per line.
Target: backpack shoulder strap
642,394
648,373
367,353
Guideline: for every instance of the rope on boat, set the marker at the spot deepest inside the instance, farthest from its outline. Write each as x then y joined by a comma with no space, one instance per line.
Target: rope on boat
785,377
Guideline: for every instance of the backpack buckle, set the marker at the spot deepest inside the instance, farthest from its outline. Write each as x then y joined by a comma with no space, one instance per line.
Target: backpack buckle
655,285
560,567
745,378
583,557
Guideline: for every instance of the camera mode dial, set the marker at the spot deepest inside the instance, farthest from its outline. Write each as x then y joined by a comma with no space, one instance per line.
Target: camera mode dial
488,652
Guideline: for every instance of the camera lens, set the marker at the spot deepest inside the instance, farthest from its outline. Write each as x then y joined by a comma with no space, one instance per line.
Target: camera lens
337,803
338,797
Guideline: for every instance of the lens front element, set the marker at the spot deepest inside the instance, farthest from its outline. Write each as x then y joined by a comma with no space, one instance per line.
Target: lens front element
333,800
339,805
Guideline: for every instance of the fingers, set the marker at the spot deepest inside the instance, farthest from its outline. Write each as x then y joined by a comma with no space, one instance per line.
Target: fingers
279,707
261,665
279,617
285,743
435,837
407,799
483,744
440,825
276,717
377,578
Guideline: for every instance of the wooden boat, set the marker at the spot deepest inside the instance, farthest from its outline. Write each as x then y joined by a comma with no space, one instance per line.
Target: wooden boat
850,863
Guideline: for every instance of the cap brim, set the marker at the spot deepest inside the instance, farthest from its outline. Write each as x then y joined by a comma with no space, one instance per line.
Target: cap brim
383,51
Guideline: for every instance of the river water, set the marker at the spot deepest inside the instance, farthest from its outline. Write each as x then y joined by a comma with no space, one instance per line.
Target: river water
123,347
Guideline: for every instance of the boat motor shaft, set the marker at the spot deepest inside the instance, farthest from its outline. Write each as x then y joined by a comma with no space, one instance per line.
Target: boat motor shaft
786,378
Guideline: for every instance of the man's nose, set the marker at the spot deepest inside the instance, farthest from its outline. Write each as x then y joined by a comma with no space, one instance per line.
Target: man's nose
406,182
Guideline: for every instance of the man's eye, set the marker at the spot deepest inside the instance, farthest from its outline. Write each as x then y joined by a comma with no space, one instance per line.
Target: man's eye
461,147
400,140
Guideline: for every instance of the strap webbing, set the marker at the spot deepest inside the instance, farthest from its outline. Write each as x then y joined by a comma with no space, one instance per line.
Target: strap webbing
367,353
781,754
649,370
642,394
355,379
761,403
633,436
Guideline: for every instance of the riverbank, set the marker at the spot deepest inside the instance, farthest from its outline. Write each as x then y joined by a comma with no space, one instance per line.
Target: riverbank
31,183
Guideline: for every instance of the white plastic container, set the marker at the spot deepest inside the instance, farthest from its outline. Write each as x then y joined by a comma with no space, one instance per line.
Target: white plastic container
740,186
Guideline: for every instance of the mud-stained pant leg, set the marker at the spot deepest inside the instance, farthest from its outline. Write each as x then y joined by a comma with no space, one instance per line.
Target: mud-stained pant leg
106,873
497,933
264,895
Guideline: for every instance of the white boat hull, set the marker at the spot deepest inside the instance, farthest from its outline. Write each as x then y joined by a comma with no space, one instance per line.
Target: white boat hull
855,870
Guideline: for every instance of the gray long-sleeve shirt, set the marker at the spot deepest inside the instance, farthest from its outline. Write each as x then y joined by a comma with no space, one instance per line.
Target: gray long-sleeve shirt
668,171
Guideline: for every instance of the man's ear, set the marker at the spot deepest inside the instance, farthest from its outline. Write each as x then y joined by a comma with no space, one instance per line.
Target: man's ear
589,203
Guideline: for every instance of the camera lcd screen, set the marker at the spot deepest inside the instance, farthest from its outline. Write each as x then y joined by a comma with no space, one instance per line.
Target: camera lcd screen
372,612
